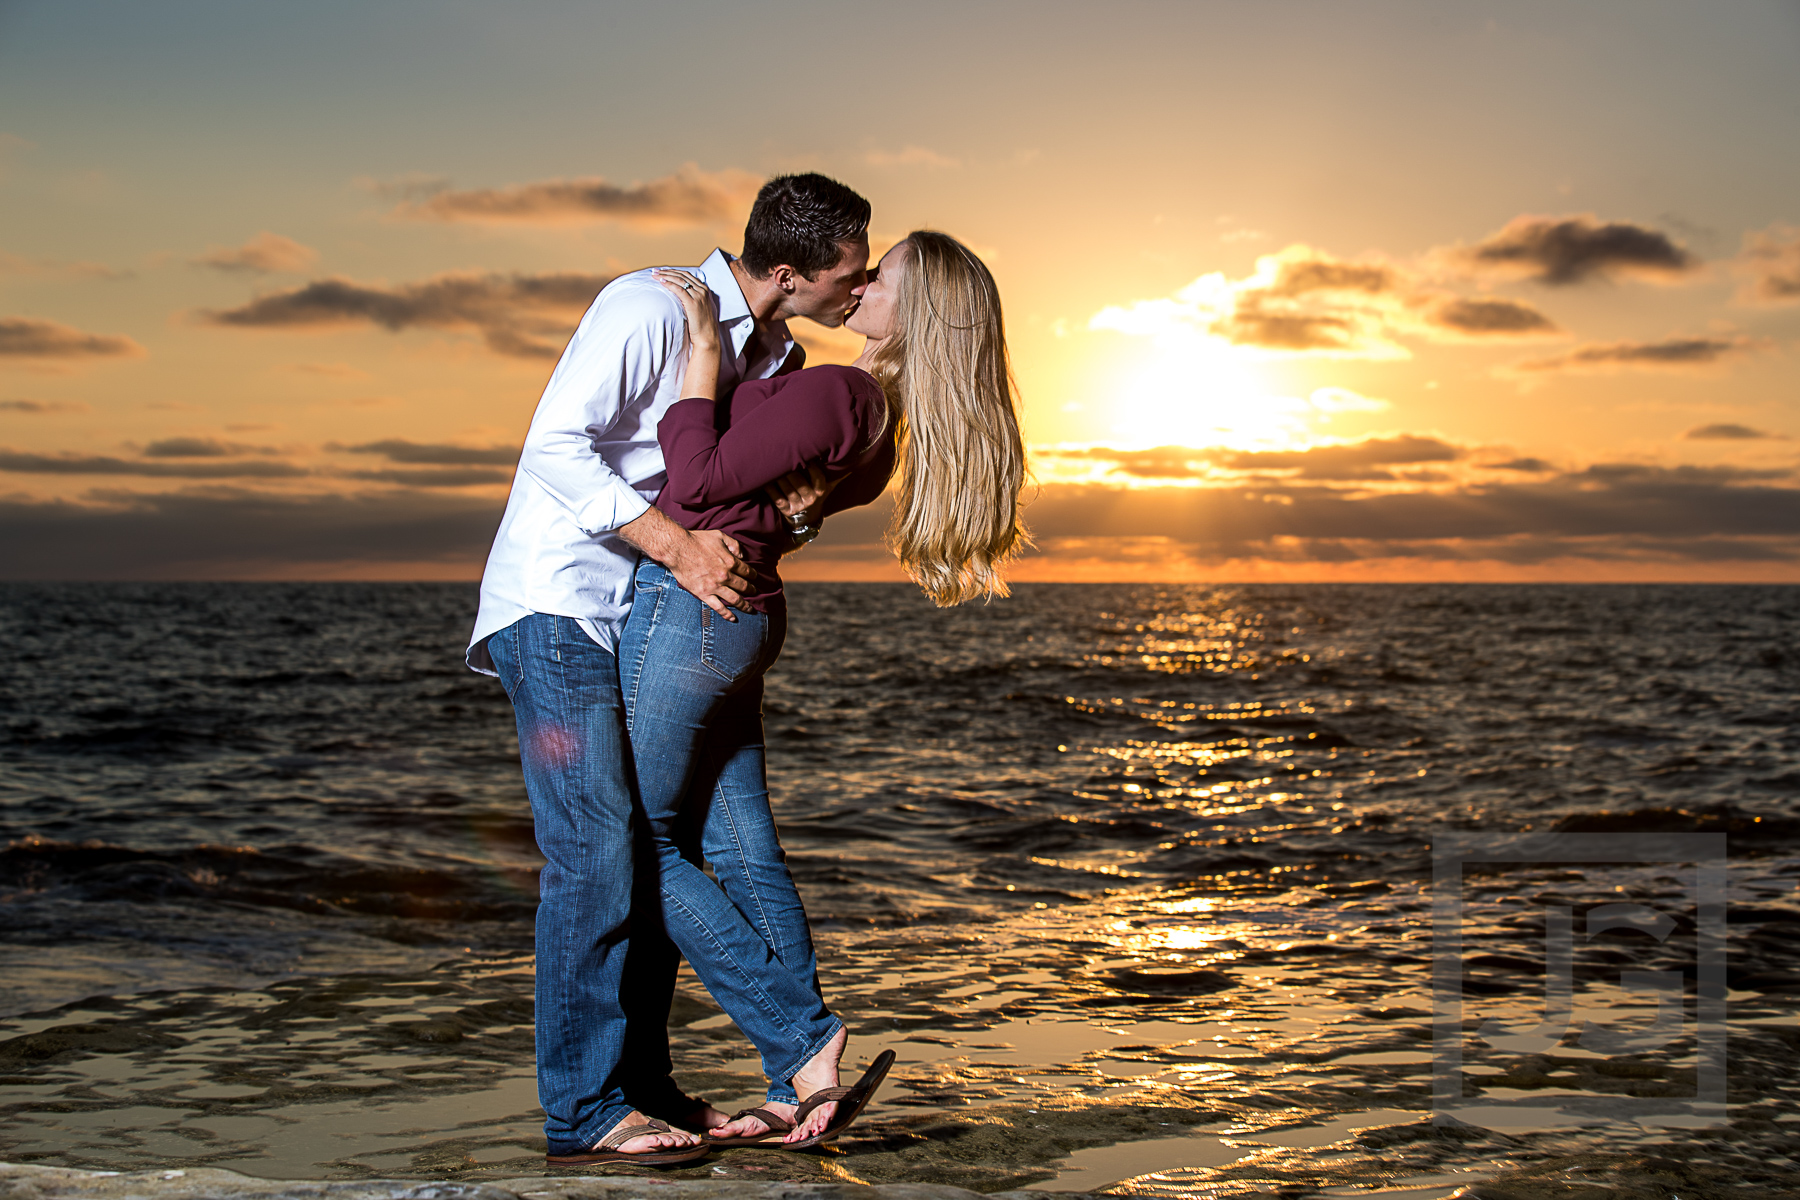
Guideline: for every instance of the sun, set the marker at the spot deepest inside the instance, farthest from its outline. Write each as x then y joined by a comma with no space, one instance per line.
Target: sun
1200,391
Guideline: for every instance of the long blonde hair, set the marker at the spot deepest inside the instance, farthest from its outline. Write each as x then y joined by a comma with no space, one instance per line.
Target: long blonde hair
960,459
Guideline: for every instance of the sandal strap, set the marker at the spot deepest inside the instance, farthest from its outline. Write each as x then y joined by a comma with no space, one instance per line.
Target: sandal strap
823,1096
775,1121
625,1133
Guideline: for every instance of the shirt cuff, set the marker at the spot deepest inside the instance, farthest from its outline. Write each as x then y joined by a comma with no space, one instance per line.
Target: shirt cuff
611,510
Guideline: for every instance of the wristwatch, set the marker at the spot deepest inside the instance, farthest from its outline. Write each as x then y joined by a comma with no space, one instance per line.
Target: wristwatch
802,532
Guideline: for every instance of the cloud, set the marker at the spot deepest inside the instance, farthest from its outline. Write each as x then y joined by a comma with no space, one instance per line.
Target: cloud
1726,433
1575,249
1303,301
201,447
1346,460
1253,325
1771,261
1163,462
435,477
436,454
1490,318
1297,301
688,197
1527,465
41,406
525,316
911,156
27,337
53,268
1671,354
1300,274
1612,512
234,532
1667,506
22,463
1360,460
1640,518
264,253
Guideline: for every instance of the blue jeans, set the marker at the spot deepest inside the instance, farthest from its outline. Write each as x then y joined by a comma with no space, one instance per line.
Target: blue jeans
565,694
693,689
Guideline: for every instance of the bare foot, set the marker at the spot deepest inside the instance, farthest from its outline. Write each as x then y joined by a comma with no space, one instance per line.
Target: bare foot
645,1143
820,1071
753,1126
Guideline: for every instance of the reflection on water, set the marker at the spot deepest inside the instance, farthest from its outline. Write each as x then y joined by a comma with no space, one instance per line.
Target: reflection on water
1131,879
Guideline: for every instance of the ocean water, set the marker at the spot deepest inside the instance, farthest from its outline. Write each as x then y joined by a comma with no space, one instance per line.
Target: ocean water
1154,857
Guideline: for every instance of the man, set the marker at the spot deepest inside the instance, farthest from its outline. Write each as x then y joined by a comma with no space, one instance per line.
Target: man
555,593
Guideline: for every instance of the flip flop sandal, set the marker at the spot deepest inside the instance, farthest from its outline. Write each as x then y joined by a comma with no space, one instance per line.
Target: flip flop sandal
851,1102
778,1127
607,1151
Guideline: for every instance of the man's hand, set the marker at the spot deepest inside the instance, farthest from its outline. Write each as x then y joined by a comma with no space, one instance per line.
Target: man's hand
796,493
705,561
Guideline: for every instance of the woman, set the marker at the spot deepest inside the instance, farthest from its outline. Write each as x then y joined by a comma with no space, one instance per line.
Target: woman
931,395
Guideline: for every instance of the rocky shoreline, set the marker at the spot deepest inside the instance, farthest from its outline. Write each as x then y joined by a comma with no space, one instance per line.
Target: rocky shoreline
209,1183
1585,1177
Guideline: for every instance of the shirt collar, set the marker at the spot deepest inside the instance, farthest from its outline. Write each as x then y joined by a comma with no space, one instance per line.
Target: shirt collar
716,270
734,310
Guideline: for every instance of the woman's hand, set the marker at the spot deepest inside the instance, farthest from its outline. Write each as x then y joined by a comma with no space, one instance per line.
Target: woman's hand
701,378
696,302
798,492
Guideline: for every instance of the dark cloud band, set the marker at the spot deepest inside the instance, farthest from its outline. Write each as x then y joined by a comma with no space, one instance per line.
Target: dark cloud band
688,197
525,316
1621,511
436,454
1669,354
95,464
1567,250
27,337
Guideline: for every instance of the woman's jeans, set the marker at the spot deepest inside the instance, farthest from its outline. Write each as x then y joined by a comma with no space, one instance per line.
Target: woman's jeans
692,684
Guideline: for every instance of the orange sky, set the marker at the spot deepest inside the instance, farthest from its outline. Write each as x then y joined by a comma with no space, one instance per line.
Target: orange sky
1295,291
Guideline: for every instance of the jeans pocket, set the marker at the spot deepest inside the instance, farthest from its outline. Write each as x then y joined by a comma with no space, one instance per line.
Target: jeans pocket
506,664
731,649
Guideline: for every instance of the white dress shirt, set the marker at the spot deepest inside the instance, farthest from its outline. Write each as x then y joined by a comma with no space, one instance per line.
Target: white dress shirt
591,461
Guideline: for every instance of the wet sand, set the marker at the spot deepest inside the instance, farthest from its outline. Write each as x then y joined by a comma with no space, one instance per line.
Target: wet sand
1235,1040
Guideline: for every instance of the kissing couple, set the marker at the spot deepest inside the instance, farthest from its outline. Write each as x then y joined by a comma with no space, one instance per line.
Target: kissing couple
632,603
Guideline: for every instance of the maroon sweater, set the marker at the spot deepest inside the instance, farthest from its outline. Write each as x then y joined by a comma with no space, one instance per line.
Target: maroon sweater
720,454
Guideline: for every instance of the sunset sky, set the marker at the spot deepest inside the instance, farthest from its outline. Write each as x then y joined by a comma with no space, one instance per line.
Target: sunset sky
1295,291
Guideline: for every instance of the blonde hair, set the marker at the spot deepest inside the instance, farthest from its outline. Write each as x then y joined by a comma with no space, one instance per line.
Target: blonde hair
960,459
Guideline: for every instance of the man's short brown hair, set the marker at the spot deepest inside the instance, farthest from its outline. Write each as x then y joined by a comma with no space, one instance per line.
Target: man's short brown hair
802,221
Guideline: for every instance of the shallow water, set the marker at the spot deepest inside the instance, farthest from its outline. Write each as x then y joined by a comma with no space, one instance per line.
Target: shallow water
1131,878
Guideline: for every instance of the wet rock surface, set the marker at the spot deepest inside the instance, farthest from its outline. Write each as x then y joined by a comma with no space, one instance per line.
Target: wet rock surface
49,1183
1070,1050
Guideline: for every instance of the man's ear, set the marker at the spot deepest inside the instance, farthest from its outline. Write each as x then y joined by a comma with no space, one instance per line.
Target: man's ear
784,279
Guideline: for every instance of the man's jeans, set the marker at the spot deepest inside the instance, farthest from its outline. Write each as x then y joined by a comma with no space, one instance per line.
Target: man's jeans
565,694
693,698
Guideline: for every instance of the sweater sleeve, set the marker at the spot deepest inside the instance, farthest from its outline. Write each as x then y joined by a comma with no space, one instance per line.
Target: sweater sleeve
817,414
865,484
